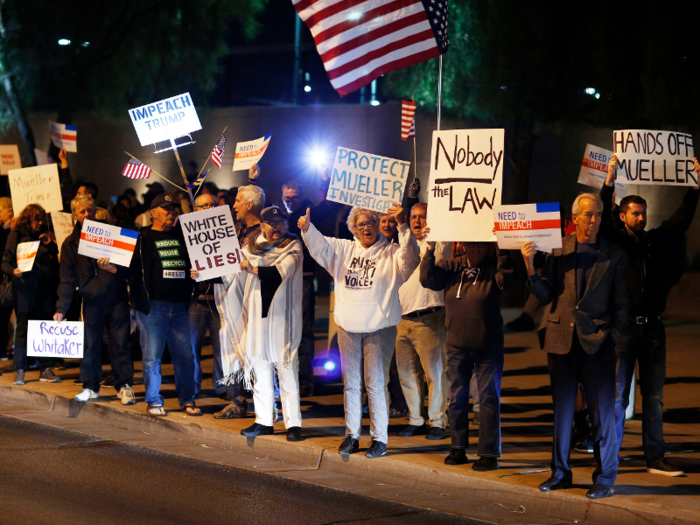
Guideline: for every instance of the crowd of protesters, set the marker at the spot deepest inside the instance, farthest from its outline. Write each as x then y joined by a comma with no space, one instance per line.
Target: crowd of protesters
414,317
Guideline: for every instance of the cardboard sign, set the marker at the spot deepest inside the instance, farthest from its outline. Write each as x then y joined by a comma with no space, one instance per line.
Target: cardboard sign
64,136
166,119
62,226
594,170
9,158
466,179
212,244
366,180
99,240
517,224
55,339
36,185
26,255
249,153
655,157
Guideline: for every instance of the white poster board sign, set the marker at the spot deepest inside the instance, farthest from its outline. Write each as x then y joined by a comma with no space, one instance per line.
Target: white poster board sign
9,158
654,157
55,339
249,153
212,244
62,226
99,240
64,136
166,119
594,170
36,185
26,255
517,224
366,180
466,180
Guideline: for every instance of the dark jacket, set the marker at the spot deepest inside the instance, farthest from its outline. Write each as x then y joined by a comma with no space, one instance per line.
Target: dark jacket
602,310
142,268
81,272
655,256
474,319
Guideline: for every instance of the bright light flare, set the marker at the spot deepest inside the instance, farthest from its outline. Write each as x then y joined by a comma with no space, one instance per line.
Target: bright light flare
355,15
375,102
307,88
590,91
329,365
64,42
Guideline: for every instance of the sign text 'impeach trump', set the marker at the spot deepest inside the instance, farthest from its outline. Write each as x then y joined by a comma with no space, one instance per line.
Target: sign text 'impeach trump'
466,178
368,181
166,119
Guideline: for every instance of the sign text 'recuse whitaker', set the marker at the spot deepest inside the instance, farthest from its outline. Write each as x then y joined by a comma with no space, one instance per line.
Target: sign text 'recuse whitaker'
166,119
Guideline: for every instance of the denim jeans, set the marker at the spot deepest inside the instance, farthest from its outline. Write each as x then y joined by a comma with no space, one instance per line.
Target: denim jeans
487,365
167,323
646,344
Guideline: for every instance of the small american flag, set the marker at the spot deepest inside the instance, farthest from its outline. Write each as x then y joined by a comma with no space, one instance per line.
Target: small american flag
362,40
136,170
217,154
408,119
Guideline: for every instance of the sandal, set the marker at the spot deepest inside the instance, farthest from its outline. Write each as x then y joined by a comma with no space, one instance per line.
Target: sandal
192,410
156,411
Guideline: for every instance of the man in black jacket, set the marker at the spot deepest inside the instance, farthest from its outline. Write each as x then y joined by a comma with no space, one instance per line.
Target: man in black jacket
102,285
653,269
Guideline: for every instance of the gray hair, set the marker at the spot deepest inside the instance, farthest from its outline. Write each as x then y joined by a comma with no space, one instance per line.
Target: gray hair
82,200
255,195
5,203
202,196
355,213
576,208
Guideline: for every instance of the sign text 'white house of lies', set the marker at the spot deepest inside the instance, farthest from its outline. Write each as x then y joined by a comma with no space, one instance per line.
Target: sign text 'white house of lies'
166,119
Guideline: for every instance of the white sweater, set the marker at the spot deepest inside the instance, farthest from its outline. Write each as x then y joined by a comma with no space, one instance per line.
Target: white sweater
367,280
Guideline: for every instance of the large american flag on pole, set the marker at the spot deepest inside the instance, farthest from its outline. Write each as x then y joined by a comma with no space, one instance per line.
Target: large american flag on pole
408,119
360,40
136,170
217,155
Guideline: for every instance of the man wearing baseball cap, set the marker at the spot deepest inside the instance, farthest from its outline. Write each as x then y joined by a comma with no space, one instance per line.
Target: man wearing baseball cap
161,291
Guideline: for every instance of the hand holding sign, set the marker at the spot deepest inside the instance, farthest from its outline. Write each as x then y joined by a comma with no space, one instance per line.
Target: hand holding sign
612,170
104,264
528,250
305,221
426,232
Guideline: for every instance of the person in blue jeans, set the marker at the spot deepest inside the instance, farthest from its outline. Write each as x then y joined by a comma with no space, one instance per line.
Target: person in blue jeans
161,292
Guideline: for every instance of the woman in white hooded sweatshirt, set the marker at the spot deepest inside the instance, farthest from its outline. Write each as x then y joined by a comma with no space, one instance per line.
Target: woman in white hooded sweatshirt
367,273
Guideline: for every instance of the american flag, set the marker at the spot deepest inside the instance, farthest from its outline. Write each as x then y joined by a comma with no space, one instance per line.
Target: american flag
360,40
217,154
136,170
408,119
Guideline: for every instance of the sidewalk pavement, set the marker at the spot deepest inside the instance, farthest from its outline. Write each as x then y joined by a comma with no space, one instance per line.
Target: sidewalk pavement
413,471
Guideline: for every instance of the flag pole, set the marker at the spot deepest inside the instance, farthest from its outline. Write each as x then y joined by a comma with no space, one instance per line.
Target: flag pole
209,157
439,93
415,162
182,170
154,171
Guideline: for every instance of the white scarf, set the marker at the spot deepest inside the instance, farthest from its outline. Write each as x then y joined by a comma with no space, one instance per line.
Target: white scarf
249,342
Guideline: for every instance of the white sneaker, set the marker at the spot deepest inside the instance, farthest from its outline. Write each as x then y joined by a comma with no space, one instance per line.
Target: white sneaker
126,394
86,395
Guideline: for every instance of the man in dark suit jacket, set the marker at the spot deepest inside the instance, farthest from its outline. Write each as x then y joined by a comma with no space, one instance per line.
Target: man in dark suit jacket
584,288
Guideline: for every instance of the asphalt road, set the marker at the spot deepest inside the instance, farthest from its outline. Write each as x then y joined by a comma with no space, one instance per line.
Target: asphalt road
52,476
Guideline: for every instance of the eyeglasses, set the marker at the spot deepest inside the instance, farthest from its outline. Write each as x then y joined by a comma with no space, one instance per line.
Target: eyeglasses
364,225
205,206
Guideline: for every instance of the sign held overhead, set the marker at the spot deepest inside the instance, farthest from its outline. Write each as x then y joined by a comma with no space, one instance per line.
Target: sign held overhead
249,153
36,185
64,136
9,158
166,119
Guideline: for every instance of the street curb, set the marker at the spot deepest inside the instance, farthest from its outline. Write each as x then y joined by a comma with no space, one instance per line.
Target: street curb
396,469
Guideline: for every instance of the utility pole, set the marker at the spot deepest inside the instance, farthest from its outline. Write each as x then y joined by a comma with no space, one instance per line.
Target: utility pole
296,78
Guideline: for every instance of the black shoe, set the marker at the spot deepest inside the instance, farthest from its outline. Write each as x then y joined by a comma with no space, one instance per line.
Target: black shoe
48,376
396,413
586,446
485,464
599,491
349,446
664,468
458,456
257,430
555,484
413,430
294,434
436,433
224,396
107,382
376,449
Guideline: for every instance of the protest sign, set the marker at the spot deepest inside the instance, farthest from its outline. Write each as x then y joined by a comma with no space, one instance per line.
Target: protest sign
26,255
466,179
36,185
55,339
654,157
64,136
62,226
249,153
594,170
517,224
99,240
166,119
9,158
368,181
212,244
